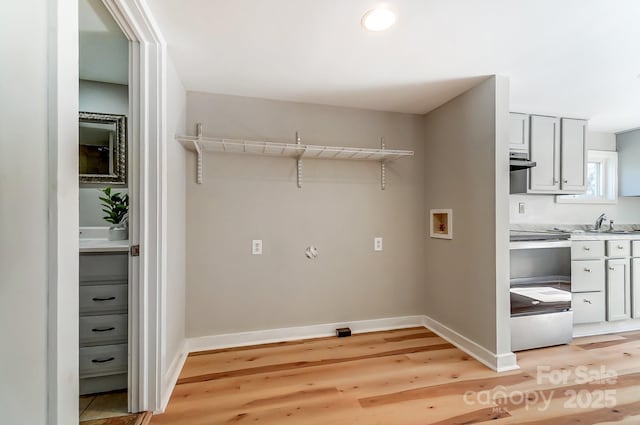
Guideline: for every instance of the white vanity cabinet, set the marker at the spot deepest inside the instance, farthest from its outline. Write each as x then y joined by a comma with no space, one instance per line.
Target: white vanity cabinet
103,333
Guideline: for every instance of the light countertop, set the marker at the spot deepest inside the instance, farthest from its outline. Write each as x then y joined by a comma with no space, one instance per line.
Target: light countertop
103,245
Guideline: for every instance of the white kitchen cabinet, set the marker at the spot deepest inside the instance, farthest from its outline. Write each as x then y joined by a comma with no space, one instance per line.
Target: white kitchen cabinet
587,275
573,160
558,146
635,287
519,132
628,146
618,248
545,151
588,307
618,289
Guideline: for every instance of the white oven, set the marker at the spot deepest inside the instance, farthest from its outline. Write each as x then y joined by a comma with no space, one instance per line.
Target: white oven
540,290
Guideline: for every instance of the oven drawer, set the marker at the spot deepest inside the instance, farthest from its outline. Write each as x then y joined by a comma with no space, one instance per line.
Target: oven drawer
588,307
587,250
587,275
618,249
101,330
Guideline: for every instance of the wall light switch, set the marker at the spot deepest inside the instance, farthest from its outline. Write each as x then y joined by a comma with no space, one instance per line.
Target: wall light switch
256,247
377,244
520,207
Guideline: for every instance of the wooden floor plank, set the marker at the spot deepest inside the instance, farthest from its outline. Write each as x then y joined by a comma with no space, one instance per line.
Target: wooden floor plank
405,377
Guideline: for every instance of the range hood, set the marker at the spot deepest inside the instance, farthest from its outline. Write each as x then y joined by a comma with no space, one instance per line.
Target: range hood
520,161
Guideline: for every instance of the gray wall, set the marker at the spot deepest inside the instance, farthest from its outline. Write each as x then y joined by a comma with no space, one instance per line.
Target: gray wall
23,213
174,327
340,209
460,173
106,98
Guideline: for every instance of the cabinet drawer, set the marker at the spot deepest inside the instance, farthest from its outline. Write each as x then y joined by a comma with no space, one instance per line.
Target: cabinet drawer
103,299
635,248
103,267
587,250
587,275
588,307
618,249
103,360
102,330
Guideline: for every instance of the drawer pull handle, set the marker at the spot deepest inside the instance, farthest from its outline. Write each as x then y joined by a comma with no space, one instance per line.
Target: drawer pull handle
586,248
587,301
620,247
103,329
103,298
612,268
108,359
588,270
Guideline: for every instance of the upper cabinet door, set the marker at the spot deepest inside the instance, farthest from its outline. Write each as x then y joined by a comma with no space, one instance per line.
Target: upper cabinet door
574,155
545,151
629,162
519,133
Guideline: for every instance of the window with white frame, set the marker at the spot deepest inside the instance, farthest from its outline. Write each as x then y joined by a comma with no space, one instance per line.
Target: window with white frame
602,180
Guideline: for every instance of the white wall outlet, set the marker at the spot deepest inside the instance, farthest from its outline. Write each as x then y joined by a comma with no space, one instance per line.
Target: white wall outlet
256,247
377,244
521,208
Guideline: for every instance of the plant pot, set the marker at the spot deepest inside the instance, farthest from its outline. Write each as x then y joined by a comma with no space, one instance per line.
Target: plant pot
118,233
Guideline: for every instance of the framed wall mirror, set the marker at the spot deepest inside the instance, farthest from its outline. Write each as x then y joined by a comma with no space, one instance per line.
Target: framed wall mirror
103,148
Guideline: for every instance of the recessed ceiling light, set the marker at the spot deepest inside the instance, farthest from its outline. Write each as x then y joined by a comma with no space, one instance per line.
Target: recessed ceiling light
378,19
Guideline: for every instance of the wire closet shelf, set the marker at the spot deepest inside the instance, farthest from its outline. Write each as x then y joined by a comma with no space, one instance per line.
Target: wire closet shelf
299,151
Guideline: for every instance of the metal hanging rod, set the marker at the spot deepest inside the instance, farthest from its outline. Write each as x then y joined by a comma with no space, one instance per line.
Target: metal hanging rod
201,144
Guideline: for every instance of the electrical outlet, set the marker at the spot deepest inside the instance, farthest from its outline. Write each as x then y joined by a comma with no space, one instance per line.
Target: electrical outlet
256,247
520,207
377,244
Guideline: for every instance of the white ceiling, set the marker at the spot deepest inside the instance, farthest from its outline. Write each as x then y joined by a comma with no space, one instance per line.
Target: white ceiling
576,58
104,50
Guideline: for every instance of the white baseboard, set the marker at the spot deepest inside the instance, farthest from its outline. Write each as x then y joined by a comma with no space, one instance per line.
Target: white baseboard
171,377
498,362
241,339
590,329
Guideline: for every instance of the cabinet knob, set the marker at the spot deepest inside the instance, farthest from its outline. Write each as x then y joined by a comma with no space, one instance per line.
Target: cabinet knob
566,181
620,247
586,248
587,270
556,181
587,301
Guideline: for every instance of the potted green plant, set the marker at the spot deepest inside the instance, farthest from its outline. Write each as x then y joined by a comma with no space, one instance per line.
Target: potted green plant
116,207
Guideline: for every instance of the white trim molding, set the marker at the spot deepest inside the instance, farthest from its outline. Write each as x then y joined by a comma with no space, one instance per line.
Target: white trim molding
590,329
62,282
268,336
498,362
171,377
148,194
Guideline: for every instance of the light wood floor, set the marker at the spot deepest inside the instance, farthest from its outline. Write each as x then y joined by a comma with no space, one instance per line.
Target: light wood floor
407,377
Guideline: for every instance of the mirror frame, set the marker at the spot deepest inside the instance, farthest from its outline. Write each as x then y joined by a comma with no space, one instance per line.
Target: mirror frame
119,176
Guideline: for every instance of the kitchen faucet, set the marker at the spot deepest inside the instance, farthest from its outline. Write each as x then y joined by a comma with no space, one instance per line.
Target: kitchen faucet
599,221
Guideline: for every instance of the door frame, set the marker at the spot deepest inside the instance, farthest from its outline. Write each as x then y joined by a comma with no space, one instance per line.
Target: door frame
147,186
147,182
